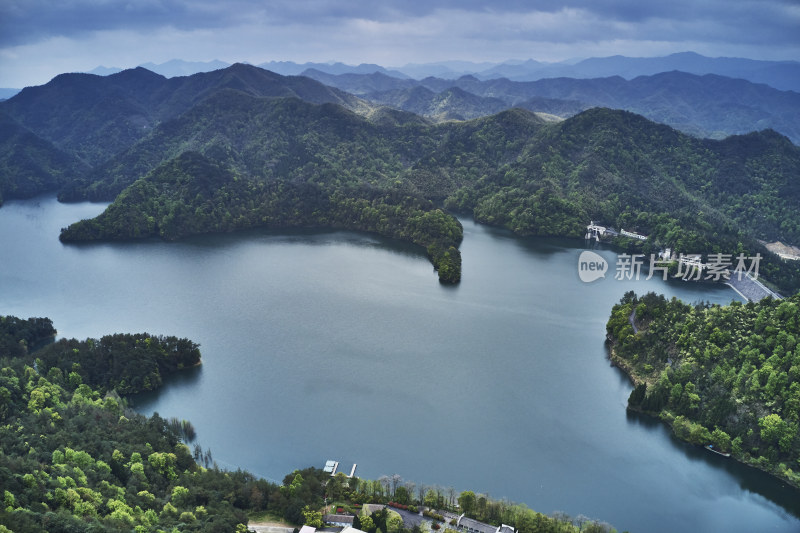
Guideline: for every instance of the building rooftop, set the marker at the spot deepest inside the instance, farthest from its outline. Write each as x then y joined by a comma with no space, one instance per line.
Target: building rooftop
475,526
350,529
338,518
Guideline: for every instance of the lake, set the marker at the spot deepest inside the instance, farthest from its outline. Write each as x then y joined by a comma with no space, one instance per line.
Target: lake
338,345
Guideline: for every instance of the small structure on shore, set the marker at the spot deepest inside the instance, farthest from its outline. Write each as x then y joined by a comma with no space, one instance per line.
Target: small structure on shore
597,232
633,235
339,520
332,466
470,525
351,529
710,447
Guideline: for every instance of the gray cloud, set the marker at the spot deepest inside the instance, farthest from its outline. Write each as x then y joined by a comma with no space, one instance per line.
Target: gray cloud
25,21
85,33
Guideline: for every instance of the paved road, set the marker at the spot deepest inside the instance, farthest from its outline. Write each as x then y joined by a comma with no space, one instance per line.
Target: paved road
410,519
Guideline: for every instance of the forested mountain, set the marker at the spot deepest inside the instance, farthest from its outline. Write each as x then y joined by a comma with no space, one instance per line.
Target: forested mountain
360,84
29,165
192,194
727,376
266,138
705,106
450,104
512,169
96,117
242,153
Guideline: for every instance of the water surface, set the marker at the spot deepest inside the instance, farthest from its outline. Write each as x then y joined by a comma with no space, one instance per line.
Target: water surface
338,345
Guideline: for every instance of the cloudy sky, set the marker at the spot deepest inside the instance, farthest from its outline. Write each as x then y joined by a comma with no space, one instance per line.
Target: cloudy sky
42,38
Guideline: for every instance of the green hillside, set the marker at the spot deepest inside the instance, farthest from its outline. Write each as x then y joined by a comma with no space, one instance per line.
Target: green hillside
512,169
75,457
29,165
727,376
95,117
192,194
708,105
283,151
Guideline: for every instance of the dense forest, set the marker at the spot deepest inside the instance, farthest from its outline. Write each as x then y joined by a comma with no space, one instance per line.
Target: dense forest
30,165
191,194
76,458
243,147
727,376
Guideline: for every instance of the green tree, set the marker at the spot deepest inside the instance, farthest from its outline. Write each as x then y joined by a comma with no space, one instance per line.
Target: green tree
467,500
312,518
430,499
402,496
394,522
367,524
721,440
180,496
774,430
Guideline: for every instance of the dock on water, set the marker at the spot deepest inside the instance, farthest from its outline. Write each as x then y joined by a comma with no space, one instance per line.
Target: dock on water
332,466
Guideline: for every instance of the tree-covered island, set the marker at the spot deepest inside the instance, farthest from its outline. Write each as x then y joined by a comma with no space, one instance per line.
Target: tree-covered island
720,376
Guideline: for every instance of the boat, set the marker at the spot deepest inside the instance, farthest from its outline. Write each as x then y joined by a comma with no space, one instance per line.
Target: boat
710,447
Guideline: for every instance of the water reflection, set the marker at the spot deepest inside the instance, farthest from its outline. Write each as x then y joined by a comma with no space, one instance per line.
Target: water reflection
187,378
749,479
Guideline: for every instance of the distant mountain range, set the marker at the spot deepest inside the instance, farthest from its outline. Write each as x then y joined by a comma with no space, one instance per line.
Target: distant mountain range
783,75
705,97
705,106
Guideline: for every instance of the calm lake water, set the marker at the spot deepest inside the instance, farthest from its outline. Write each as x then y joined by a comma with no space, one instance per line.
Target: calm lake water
336,345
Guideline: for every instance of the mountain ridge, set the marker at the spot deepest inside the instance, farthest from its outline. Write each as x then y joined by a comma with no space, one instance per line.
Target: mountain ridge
98,116
291,154
706,106
782,75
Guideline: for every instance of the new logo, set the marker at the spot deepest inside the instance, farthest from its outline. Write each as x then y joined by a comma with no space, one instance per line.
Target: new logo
591,266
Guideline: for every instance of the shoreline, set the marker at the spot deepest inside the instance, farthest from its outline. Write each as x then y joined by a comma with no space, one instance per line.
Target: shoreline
667,419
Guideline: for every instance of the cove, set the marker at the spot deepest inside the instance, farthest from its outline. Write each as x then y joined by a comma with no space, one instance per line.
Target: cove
337,345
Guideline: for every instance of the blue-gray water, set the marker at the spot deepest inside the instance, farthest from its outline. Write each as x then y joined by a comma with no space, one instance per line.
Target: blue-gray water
335,345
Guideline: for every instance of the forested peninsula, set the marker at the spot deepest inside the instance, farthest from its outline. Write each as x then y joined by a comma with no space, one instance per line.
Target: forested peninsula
244,147
76,458
726,376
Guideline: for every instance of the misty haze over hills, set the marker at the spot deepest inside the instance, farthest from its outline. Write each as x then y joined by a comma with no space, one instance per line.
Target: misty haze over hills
702,96
705,97
783,75
709,106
